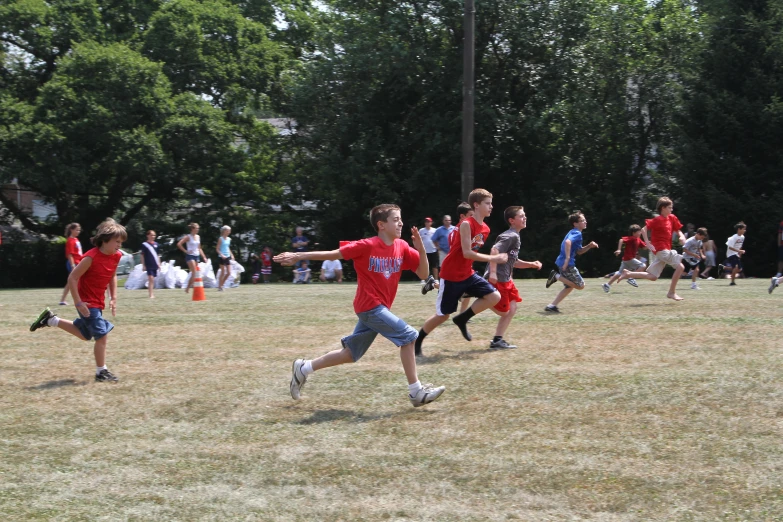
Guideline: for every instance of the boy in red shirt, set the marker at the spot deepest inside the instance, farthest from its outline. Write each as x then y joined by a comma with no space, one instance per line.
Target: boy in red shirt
629,247
662,227
87,282
457,277
379,262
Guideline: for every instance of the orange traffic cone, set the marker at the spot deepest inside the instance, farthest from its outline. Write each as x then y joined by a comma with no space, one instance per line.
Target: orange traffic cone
198,286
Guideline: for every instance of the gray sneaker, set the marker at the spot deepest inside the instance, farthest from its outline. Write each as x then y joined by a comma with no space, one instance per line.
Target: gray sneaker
298,379
606,287
428,285
105,376
426,395
501,345
772,284
632,282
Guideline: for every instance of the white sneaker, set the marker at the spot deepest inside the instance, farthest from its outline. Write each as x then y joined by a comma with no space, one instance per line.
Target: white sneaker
772,284
694,286
298,379
426,395
606,287
632,282
710,278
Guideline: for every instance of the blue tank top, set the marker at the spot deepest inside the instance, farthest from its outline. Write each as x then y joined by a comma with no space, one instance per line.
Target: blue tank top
225,246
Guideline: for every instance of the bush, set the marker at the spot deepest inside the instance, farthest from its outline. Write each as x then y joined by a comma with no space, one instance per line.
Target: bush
37,264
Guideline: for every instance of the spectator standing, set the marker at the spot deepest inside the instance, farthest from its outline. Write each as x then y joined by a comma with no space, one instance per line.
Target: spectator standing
429,247
73,253
266,263
150,260
441,238
191,245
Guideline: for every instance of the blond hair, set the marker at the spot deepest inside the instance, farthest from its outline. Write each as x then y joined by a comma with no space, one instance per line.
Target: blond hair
107,231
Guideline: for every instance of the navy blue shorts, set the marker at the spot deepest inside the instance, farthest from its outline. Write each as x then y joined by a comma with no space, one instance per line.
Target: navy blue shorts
732,262
152,272
451,291
95,326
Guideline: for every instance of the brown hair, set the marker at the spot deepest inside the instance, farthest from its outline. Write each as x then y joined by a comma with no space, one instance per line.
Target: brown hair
151,232
70,227
108,230
381,213
663,202
702,231
191,226
462,210
740,225
575,216
633,229
511,212
477,196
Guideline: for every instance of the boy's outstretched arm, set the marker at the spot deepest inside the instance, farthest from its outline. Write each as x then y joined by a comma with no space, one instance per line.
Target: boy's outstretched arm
646,240
465,240
423,269
527,264
289,258
619,247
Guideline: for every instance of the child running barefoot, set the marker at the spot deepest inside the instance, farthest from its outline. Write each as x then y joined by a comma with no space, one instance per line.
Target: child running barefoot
501,275
88,282
566,272
662,227
629,247
379,262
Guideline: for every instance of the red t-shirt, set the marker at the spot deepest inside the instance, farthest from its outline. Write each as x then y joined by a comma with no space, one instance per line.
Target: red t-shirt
266,259
378,268
73,248
631,246
93,283
455,266
662,229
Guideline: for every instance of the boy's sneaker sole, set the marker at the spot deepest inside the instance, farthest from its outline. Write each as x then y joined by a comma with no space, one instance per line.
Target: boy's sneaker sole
426,395
428,285
551,279
501,345
632,282
42,319
105,376
606,287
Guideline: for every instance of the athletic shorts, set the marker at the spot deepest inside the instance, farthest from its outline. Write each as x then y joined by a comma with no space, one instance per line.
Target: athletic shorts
224,261
662,258
572,274
690,263
433,259
267,270
709,259
152,272
733,261
632,265
450,292
195,258
508,292
378,320
94,326
68,266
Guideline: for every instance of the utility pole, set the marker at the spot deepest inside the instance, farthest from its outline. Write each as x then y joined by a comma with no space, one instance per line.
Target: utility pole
468,94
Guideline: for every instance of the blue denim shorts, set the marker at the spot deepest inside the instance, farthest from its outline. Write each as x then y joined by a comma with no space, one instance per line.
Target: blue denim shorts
95,326
378,320
195,258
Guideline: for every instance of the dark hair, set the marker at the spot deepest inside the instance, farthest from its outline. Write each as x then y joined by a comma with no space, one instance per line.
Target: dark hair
108,230
663,202
381,213
463,209
740,225
511,212
633,229
702,231
69,228
575,216
477,196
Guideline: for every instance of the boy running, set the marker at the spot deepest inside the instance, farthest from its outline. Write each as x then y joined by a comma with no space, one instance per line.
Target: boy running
662,228
457,275
88,282
629,247
693,254
734,252
501,276
566,271
379,262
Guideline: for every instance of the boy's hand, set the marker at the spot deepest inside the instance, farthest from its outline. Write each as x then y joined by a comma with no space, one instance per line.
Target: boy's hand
498,258
493,278
416,238
593,244
286,258
537,265
83,310
617,252
650,247
113,307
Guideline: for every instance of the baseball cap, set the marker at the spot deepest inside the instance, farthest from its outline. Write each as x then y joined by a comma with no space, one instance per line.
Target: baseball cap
427,219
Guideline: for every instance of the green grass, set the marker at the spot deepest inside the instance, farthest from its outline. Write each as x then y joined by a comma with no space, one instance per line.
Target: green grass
626,406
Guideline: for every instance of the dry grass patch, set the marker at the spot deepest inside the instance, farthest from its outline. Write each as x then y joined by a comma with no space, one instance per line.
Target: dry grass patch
626,406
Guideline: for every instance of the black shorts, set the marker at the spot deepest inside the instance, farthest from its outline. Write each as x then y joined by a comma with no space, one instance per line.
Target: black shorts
690,264
225,261
451,291
732,262
433,259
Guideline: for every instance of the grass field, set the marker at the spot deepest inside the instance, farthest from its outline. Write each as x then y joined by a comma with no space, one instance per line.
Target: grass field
626,406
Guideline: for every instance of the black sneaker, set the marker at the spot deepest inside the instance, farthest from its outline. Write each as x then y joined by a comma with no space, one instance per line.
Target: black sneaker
43,319
105,376
721,268
551,279
501,345
428,285
552,308
732,284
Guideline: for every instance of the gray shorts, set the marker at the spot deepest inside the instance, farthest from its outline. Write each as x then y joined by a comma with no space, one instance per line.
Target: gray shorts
378,320
572,274
663,258
632,265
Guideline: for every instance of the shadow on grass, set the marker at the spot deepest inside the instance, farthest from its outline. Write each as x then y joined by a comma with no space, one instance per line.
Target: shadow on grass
423,360
342,415
52,385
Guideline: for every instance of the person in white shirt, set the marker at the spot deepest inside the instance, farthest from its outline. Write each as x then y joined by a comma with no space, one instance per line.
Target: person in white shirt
734,252
429,247
331,270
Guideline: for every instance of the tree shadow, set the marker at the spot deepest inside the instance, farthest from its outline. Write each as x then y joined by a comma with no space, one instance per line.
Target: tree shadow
52,385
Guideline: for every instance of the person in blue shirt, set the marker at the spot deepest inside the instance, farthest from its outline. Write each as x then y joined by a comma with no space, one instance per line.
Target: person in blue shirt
150,260
225,256
441,238
566,271
299,243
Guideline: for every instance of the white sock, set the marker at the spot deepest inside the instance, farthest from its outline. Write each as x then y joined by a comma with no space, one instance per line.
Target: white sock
99,368
53,321
414,388
307,368
557,276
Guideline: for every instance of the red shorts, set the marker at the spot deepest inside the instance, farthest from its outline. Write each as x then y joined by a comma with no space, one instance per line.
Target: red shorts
508,293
